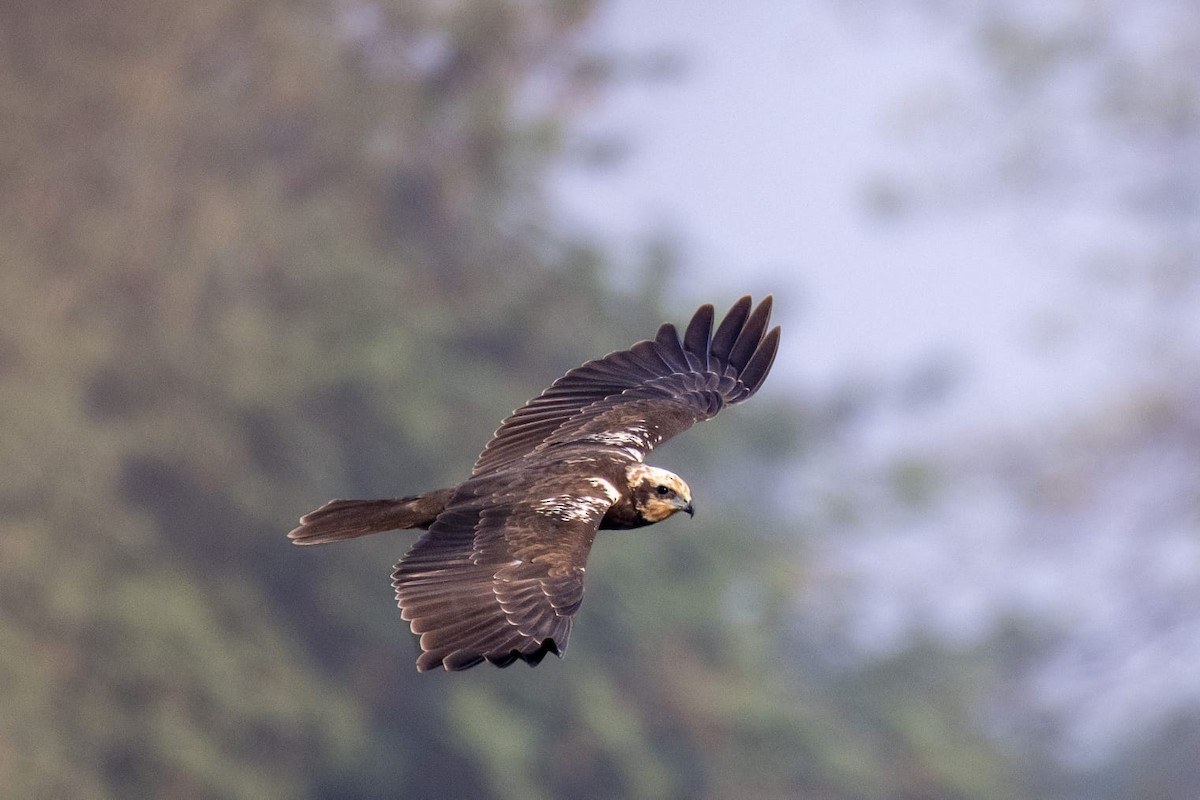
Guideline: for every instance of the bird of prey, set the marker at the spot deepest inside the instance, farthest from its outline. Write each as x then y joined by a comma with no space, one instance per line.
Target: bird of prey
498,576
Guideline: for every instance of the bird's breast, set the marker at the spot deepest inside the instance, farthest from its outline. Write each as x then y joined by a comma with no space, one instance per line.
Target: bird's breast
622,516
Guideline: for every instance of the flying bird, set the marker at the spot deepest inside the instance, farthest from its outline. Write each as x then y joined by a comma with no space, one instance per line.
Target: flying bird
498,576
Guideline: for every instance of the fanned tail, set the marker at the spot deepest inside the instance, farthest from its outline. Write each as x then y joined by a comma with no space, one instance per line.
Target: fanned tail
348,519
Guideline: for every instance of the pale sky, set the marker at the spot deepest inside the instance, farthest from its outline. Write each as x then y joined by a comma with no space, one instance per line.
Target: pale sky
758,159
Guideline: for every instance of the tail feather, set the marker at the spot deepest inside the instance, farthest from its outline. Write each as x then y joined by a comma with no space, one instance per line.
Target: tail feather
347,519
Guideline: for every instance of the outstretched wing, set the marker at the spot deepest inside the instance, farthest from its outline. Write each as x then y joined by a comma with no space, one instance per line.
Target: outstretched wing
500,572
640,397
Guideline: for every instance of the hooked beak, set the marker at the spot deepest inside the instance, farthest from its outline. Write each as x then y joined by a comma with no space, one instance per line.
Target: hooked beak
689,509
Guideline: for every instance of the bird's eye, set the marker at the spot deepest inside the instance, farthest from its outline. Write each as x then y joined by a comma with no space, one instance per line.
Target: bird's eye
662,490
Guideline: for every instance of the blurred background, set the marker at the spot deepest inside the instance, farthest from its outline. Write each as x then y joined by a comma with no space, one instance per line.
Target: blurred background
259,255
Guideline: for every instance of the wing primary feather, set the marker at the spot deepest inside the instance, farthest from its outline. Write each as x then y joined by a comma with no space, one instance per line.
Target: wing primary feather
500,640
626,369
751,335
452,662
667,334
669,348
504,661
436,637
697,338
755,372
728,330
651,356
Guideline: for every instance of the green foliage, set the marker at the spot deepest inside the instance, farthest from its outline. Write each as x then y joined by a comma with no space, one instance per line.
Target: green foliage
261,254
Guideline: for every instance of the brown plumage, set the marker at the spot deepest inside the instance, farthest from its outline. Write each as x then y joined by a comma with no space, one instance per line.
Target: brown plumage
499,574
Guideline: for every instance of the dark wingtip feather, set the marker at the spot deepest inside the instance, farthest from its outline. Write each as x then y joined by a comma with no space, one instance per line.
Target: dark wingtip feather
669,349
667,334
459,660
755,372
751,335
727,332
697,339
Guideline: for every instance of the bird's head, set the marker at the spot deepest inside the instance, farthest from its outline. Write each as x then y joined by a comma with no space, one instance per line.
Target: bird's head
657,493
